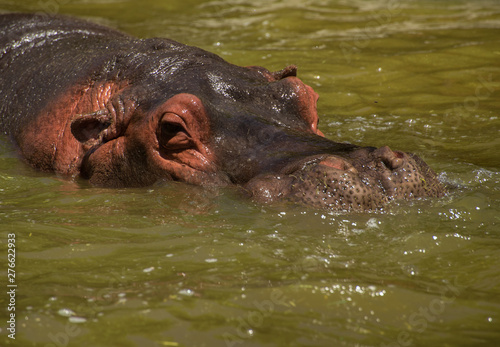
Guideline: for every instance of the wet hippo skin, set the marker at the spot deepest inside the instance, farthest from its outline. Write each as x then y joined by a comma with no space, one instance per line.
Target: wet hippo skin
82,100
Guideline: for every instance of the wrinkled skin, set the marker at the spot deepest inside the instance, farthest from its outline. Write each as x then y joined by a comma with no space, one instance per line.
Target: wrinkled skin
80,99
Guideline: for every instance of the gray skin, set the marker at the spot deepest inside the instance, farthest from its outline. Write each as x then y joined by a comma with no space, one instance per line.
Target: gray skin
83,100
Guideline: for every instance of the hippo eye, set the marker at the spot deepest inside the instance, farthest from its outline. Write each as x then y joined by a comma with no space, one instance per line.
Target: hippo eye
172,133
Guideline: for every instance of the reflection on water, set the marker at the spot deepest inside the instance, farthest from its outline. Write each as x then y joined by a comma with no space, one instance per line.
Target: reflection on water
174,265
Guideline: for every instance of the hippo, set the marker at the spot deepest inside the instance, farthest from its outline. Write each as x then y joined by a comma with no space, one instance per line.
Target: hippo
83,100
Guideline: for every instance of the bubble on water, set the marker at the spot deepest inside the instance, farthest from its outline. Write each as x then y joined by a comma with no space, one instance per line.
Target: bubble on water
211,260
186,292
458,236
149,269
65,312
372,223
77,320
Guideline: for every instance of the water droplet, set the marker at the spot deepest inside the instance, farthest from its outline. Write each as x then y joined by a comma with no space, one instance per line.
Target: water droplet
372,223
186,292
66,312
77,320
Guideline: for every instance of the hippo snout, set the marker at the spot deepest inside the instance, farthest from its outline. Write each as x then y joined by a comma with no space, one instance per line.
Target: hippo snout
392,159
366,181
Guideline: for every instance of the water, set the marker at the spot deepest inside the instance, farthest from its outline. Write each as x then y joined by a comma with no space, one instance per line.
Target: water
175,265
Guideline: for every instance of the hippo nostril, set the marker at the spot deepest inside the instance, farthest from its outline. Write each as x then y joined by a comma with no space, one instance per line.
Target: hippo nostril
339,164
393,160
396,163
352,170
333,162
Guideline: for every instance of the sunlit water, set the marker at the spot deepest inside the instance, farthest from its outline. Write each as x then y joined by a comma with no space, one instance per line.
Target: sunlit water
174,265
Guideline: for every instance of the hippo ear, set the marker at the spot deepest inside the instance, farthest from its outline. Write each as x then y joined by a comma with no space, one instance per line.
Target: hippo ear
89,128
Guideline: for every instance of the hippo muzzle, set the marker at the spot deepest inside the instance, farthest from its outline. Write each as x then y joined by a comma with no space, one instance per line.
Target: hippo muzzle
367,181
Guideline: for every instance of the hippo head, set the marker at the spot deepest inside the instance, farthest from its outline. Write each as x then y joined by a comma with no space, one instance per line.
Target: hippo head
180,113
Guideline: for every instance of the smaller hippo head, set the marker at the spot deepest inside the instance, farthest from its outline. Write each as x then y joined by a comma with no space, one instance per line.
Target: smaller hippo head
181,113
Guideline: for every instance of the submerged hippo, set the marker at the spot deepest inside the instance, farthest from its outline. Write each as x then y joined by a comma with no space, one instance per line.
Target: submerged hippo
80,99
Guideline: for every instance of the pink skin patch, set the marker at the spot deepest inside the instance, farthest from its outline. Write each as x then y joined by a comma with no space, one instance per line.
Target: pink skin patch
333,162
307,99
306,96
48,144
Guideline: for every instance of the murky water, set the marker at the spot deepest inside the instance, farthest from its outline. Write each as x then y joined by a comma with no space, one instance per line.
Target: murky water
181,266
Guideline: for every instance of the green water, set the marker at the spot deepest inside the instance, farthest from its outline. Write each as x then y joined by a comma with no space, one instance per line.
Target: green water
176,265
